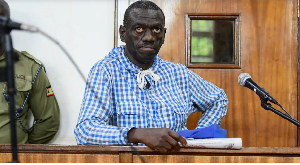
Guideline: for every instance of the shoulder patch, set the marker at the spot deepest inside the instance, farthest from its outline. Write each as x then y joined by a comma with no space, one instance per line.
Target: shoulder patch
49,91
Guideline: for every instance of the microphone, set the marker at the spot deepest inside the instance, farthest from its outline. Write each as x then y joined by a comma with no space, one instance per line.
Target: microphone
8,23
245,80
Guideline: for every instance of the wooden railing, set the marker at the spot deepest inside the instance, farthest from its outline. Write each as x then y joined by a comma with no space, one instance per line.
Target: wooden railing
126,154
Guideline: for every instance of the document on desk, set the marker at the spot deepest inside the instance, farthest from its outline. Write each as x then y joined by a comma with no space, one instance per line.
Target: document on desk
227,143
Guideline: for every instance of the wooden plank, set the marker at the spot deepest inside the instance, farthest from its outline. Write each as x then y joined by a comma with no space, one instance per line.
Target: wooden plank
125,157
215,159
126,154
60,158
94,149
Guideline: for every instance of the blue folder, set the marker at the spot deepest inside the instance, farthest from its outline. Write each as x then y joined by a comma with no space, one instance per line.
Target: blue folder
213,131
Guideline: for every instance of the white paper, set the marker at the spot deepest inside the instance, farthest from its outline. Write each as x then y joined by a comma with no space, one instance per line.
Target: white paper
229,143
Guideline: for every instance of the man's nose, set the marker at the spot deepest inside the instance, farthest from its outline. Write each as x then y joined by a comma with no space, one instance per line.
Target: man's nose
148,36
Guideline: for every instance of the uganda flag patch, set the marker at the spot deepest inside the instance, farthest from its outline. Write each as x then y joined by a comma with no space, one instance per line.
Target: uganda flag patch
49,91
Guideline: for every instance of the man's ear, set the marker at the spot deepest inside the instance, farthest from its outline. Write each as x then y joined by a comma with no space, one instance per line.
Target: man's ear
122,31
164,35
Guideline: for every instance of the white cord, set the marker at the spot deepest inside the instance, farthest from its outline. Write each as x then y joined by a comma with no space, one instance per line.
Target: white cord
35,29
141,77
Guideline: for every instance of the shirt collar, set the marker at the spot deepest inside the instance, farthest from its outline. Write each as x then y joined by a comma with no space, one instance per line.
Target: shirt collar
3,55
131,66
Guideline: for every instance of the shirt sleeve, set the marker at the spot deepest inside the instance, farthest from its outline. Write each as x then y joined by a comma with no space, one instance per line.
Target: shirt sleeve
208,99
93,127
45,110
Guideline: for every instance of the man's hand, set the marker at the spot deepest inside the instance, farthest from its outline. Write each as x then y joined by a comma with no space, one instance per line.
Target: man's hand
159,139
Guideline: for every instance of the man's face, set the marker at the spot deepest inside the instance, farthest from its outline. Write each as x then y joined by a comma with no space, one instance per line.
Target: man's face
4,12
143,35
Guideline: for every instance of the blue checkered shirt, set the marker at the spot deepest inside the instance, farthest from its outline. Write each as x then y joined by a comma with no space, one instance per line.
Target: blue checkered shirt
113,103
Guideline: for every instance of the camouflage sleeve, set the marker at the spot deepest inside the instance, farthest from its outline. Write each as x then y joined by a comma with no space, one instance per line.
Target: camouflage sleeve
45,110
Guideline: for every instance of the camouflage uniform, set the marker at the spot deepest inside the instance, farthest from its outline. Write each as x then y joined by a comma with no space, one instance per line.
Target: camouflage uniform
41,101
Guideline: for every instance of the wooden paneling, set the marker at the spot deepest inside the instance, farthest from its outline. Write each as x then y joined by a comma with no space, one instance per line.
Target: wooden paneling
298,78
216,159
268,54
126,154
61,158
125,157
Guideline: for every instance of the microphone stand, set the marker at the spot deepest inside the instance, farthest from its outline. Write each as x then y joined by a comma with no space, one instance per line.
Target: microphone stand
268,106
11,90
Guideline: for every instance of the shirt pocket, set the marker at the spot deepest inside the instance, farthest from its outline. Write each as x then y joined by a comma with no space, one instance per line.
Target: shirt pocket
173,115
132,114
3,106
22,86
182,114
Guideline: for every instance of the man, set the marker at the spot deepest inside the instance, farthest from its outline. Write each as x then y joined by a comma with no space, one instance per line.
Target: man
133,96
38,97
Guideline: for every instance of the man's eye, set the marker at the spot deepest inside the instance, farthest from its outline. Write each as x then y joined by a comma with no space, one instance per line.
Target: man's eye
156,30
139,30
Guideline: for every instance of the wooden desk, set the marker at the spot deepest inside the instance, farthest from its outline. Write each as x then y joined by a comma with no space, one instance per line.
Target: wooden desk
116,154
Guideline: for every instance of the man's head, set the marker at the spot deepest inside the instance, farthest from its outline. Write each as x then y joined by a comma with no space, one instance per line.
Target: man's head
143,32
142,4
5,12
4,9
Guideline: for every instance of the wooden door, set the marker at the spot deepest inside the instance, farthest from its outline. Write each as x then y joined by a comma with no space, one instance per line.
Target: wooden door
268,45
